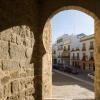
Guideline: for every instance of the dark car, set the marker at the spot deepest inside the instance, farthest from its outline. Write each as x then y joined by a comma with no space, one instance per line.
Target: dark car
55,66
68,69
58,67
71,69
75,71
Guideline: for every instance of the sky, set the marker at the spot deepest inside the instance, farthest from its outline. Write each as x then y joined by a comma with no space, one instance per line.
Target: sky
71,22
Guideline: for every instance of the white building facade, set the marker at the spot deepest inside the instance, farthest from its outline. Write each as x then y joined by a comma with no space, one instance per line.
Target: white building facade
87,52
75,50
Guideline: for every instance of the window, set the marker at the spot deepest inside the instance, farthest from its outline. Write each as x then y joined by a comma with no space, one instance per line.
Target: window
64,48
54,52
91,44
73,55
91,54
77,55
84,56
84,46
60,40
68,47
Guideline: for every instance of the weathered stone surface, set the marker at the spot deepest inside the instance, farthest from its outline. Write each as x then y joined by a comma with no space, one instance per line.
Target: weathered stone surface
14,75
15,86
30,98
29,92
13,38
6,35
17,51
29,83
30,72
1,93
10,65
7,90
5,80
4,54
1,64
28,52
15,97
27,42
22,84
18,40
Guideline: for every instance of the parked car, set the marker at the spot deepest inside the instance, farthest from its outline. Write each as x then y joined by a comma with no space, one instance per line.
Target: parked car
68,69
58,66
71,69
91,75
55,66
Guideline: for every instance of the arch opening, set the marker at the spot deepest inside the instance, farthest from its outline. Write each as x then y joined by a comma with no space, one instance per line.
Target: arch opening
47,45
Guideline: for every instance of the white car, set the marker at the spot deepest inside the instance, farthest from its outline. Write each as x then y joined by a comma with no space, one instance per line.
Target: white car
91,75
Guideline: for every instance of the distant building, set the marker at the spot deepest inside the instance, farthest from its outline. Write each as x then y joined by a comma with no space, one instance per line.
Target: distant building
75,50
63,49
87,52
54,54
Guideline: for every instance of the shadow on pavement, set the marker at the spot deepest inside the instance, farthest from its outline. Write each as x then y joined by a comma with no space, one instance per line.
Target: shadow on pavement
60,80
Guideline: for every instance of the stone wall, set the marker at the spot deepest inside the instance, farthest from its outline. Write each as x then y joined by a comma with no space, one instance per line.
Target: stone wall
47,61
18,29
16,72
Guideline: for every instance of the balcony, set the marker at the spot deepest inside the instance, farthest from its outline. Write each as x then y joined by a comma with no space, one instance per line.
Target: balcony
72,50
65,54
91,48
59,56
77,58
60,48
91,59
84,58
83,49
77,49
73,58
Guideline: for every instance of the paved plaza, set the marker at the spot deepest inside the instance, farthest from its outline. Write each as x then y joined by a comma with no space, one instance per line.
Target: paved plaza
71,89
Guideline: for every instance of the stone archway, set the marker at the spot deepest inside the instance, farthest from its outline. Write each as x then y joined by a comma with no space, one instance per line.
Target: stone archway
47,62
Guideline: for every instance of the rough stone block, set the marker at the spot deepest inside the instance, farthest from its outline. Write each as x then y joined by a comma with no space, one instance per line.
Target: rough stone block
1,93
23,74
22,63
9,65
16,97
15,86
7,90
14,75
18,40
29,83
30,72
17,51
13,38
1,64
28,52
32,42
22,84
28,32
30,98
27,42
6,35
29,92
21,52
4,54
14,52
5,80
22,96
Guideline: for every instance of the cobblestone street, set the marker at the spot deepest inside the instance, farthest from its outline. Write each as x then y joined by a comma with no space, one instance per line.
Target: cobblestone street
70,89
